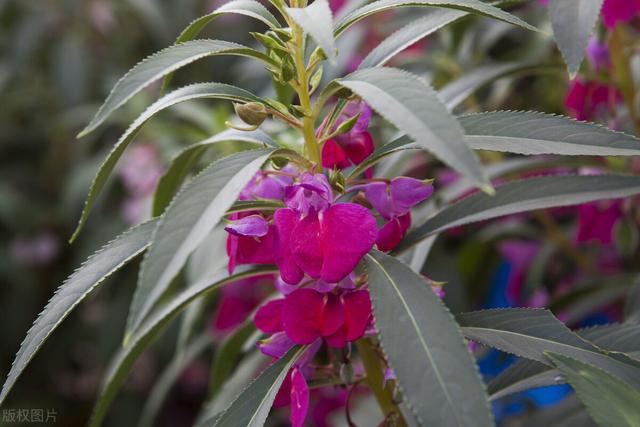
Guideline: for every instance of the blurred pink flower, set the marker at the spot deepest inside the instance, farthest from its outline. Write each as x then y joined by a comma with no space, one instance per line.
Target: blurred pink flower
616,11
35,251
587,99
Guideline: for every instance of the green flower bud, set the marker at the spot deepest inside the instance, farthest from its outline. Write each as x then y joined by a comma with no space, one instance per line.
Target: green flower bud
337,181
252,113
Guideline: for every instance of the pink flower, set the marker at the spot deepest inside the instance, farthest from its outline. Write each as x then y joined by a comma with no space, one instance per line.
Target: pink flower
327,245
266,185
354,146
390,235
597,221
237,301
141,169
294,391
249,249
394,201
39,250
311,195
299,398
316,237
340,153
276,345
306,315
326,403
397,197
585,100
251,236
336,5
598,54
249,226
615,11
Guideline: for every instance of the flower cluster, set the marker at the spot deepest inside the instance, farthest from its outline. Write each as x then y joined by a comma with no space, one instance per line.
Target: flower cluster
317,239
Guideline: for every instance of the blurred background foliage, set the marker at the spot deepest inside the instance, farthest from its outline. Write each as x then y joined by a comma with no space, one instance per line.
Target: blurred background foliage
59,59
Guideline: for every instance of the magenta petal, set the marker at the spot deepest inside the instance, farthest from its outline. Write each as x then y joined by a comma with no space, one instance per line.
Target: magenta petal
389,235
302,315
358,146
378,194
266,186
232,252
337,339
333,156
348,233
614,11
285,221
268,318
283,287
597,222
276,345
357,309
332,315
299,398
250,226
408,192
598,54
312,194
306,245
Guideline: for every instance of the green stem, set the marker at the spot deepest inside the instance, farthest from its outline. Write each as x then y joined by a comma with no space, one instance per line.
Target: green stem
302,87
375,379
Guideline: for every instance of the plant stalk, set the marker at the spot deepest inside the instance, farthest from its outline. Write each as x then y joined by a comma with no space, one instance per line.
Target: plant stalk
308,124
375,379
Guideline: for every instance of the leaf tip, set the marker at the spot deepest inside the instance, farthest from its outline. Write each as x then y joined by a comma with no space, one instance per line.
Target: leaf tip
126,338
488,189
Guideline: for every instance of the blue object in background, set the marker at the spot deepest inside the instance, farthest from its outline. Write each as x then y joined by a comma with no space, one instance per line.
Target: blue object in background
495,361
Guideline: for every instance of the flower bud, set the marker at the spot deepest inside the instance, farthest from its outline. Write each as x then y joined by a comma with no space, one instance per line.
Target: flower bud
252,113
337,181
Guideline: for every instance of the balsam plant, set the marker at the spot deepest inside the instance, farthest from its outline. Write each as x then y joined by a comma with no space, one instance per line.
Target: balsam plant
337,243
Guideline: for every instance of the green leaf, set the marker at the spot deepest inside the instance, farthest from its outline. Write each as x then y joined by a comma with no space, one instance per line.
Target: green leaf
423,344
317,21
609,400
187,93
170,375
181,165
249,8
252,406
471,6
408,35
238,381
573,22
526,374
413,107
81,283
255,205
632,307
227,355
454,93
190,217
523,375
523,332
151,328
525,195
527,132
160,64
398,144
530,333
